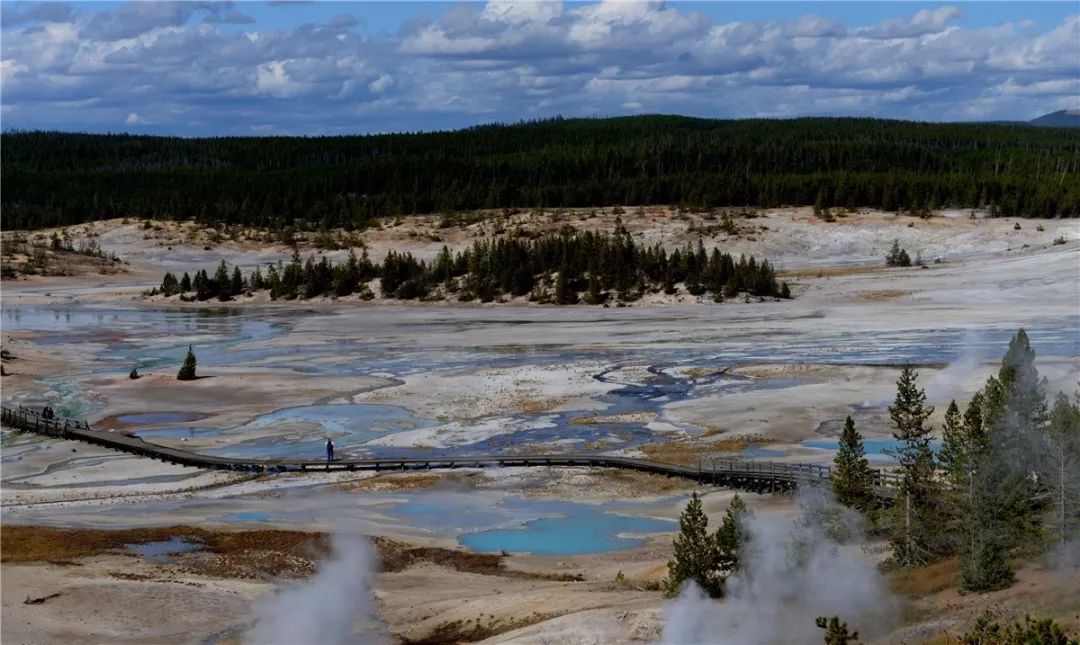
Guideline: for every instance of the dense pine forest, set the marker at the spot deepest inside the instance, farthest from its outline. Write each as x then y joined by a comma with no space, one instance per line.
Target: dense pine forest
589,268
54,178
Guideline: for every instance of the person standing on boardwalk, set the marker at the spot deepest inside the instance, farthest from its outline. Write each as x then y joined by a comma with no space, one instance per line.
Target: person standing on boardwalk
329,450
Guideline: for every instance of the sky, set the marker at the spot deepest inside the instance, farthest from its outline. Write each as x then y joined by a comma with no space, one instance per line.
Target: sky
324,68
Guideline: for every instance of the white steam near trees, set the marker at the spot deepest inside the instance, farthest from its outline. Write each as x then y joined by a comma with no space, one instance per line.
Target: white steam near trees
793,571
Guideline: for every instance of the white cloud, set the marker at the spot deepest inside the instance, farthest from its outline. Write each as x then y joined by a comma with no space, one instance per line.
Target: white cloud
133,118
512,59
925,21
381,84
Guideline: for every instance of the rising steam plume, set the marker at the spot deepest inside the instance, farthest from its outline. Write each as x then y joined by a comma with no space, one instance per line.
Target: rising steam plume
334,607
794,571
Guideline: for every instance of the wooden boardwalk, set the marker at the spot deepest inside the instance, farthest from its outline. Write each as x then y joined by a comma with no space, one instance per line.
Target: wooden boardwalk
739,473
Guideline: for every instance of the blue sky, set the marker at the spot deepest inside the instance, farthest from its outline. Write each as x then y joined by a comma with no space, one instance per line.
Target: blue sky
251,68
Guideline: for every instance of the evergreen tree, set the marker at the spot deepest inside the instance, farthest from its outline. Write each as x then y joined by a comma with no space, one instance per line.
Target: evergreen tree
954,456
564,294
185,283
256,281
1061,469
1015,427
1025,395
594,296
236,284
909,411
821,202
187,370
169,285
201,283
1002,515
836,632
731,537
220,282
695,553
731,287
852,479
963,450
973,423
914,524
984,547
897,257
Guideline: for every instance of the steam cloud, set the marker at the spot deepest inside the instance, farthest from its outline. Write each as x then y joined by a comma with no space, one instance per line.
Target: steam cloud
793,572
326,608
952,381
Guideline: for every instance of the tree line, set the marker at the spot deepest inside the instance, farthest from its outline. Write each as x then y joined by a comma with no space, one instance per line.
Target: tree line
57,178
567,268
1004,484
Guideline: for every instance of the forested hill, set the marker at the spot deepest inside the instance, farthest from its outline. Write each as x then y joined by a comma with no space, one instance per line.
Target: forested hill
52,178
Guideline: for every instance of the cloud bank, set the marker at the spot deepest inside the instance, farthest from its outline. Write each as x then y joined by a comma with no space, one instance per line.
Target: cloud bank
211,68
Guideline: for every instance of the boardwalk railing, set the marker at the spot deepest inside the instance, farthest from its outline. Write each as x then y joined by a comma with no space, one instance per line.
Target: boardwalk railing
752,475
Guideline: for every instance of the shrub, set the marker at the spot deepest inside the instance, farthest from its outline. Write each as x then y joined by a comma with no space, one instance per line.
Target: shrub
897,256
187,370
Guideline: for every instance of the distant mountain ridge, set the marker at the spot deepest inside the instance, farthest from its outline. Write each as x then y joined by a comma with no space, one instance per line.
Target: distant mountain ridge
1059,119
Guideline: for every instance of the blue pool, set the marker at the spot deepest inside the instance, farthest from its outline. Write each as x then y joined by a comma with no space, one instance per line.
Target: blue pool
577,534
177,433
543,527
152,418
163,551
875,448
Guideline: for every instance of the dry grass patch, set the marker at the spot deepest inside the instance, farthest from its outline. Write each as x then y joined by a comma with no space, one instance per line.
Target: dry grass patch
46,543
532,405
643,483
690,453
398,556
828,272
882,295
704,372
464,631
928,580
411,481
258,554
629,417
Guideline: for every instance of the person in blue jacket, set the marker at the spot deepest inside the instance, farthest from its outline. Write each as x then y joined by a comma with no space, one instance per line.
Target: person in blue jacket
329,450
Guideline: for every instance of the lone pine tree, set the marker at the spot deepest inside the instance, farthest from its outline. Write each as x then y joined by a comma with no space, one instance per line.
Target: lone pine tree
187,370
707,559
695,553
